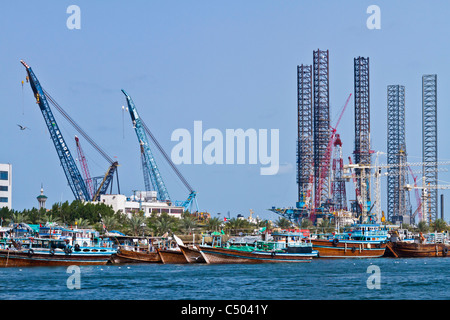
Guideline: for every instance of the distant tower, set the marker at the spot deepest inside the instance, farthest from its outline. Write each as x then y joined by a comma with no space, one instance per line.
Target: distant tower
305,148
429,144
397,197
321,126
41,198
362,125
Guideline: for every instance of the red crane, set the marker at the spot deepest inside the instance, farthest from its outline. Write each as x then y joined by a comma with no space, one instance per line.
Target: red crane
338,183
84,166
326,163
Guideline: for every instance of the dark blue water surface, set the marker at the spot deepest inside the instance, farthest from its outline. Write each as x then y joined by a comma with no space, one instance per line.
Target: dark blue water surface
416,279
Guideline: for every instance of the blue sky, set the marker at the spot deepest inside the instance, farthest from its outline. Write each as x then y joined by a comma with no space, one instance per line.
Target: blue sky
230,64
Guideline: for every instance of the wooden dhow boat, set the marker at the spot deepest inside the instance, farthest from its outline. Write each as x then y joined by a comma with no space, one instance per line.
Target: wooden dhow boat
362,241
217,255
137,250
51,252
172,254
435,246
292,249
192,254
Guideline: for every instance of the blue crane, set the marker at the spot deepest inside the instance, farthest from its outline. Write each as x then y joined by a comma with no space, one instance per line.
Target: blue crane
74,178
148,159
149,164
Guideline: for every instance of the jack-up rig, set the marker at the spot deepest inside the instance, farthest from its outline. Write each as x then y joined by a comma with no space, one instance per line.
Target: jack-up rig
321,183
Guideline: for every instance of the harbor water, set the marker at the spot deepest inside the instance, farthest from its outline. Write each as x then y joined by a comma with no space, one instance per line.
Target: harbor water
322,279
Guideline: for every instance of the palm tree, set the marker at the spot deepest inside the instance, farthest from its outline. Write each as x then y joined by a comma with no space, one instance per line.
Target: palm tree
137,224
110,222
283,223
439,225
52,219
306,224
187,223
231,224
164,223
213,224
18,217
237,225
82,223
422,226
326,226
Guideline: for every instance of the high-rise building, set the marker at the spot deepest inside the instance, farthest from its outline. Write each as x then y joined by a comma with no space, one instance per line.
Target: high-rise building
5,185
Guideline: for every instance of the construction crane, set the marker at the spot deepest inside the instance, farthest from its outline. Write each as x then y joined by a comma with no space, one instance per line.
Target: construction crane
84,166
74,178
361,198
418,198
326,163
338,183
149,165
355,181
426,215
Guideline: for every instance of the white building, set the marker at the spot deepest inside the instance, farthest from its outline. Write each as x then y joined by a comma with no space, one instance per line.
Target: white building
141,201
5,185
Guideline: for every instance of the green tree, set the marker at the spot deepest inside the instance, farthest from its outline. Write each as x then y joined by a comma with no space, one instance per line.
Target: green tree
439,225
49,217
306,224
213,224
283,223
137,224
326,226
422,226
235,225
111,222
187,224
5,214
19,217
164,223
82,223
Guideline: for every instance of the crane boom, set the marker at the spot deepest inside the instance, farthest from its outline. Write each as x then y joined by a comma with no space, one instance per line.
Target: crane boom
155,175
84,166
326,161
71,171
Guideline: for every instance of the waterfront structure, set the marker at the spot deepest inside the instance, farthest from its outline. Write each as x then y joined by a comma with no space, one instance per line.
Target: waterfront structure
145,201
5,185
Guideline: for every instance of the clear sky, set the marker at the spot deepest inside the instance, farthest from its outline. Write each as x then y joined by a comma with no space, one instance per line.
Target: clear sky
230,64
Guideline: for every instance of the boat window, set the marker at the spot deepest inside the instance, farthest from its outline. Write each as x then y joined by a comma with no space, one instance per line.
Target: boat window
86,250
